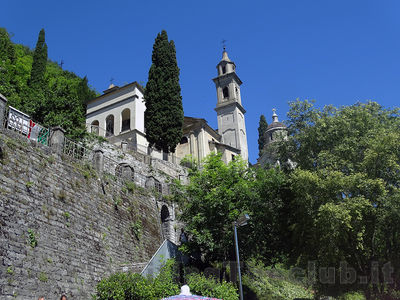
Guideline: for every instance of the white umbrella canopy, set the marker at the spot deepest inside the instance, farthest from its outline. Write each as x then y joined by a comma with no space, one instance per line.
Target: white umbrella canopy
186,295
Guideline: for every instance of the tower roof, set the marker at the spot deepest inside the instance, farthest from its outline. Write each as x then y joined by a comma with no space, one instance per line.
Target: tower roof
225,56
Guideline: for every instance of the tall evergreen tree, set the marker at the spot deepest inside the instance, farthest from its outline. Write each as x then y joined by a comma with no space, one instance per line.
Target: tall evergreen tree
262,127
164,111
39,62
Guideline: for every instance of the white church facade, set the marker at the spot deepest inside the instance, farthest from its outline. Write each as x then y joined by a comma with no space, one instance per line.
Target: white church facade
118,115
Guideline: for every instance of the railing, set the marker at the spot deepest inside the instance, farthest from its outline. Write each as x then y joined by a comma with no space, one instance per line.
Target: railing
22,123
75,150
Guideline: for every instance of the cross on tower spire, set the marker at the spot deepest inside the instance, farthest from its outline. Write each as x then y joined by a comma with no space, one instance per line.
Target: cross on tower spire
224,44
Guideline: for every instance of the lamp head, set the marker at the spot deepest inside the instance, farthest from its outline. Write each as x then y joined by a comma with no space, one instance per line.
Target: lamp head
242,220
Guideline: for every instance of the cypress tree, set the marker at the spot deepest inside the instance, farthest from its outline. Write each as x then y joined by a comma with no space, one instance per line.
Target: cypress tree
262,127
39,62
164,111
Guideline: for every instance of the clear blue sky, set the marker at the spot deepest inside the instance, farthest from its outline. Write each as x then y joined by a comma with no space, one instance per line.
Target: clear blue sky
336,52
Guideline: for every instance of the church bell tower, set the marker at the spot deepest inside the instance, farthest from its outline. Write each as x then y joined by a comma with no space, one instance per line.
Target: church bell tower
230,112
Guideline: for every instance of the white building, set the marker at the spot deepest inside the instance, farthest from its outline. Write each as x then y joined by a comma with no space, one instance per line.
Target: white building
118,115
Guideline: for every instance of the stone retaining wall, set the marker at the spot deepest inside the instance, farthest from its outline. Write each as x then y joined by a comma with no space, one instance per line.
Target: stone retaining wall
63,226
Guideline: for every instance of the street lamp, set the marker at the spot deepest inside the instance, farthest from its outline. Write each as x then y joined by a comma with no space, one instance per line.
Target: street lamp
241,221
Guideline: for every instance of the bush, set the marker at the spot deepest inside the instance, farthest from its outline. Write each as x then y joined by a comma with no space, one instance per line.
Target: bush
121,286
273,283
352,296
209,287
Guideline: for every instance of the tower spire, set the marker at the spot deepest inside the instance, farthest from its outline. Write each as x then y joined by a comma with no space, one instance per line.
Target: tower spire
230,112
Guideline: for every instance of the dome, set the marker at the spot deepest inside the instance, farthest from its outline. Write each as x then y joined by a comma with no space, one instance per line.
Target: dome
276,125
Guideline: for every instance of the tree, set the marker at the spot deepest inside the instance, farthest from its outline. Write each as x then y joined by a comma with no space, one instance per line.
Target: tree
262,127
39,62
344,194
60,98
7,60
164,111
215,197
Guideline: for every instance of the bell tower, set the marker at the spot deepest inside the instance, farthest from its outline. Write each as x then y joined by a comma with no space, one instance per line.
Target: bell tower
230,112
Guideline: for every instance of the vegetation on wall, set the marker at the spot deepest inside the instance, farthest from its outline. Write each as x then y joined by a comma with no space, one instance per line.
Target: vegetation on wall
164,111
41,88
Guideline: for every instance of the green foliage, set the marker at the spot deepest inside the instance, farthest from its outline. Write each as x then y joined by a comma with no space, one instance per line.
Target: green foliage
32,238
39,62
215,197
40,88
43,277
164,110
275,283
352,296
136,228
121,286
29,184
130,186
209,287
262,127
344,194
10,270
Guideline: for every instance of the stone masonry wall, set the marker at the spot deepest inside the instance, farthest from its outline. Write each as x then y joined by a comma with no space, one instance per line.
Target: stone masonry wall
64,226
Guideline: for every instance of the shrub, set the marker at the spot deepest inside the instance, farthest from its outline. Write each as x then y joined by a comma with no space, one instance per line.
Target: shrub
352,296
275,283
209,287
121,286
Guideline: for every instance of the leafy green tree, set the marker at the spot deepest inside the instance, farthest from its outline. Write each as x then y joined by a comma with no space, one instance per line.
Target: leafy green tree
262,127
61,97
344,201
164,111
7,59
215,197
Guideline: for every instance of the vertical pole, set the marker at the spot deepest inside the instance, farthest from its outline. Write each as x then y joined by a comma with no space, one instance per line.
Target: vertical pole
238,261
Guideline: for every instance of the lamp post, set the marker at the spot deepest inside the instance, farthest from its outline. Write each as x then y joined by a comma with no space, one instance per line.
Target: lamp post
241,221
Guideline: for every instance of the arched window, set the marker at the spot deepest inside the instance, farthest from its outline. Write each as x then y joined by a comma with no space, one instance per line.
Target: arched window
223,69
110,125
225,92
126,119
164,214
94,127
184,140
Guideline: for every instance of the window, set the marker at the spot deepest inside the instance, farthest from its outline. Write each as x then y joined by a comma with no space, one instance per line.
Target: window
184,140
233,157
94,127
158,186
110,125
223,69
225,92
126,119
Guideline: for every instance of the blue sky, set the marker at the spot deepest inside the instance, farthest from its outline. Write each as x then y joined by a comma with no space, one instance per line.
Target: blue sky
336,52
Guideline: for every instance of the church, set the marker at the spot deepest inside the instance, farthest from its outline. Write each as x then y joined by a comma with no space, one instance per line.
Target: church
118,116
